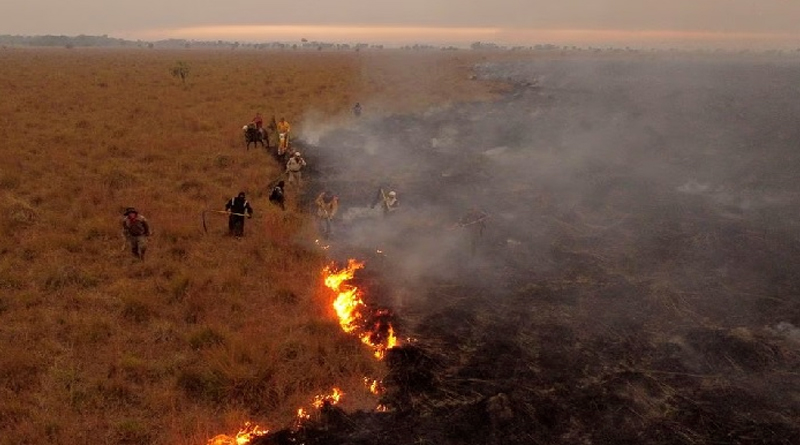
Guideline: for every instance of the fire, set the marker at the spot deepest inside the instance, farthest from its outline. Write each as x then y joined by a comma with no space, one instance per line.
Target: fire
374,386
376,331
244,436
373,329
331,399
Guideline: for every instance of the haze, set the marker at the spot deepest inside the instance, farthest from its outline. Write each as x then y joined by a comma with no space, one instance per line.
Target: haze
744,23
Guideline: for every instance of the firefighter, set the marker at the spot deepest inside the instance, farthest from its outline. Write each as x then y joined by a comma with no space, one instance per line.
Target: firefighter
277,195
327,205
259,122
283,128
475,221
135,229
388,201
357,109
294,168
238,208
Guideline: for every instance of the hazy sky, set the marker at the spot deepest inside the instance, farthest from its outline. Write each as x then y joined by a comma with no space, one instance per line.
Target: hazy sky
266,20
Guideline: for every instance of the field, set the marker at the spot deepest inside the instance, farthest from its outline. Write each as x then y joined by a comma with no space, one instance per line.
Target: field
636,277
634,280
209,331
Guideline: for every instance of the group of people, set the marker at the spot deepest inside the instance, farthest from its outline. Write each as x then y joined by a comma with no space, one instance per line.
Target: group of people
136,228
282,127
328,204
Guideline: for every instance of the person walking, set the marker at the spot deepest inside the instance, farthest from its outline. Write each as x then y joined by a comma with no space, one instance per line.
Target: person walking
475,222
238,208
135,229
388,201
327,205
259,121
294,168
283,128
277,195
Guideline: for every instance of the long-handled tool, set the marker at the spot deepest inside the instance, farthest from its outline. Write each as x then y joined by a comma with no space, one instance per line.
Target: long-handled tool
223,212
274,182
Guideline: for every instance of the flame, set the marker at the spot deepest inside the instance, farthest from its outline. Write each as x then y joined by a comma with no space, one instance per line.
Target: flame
350,310
347,302
373,385
302,414
373,330
331,399
244,436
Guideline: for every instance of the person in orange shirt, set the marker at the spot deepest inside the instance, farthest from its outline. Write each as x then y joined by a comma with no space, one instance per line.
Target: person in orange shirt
283,128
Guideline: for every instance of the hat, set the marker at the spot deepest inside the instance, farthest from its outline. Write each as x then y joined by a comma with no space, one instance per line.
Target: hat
392,194
129,210
297,153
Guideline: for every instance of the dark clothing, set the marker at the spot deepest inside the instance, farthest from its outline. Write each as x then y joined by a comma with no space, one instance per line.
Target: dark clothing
277,197
239,207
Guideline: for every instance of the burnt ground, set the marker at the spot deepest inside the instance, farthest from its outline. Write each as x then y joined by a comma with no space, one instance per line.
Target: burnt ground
638,278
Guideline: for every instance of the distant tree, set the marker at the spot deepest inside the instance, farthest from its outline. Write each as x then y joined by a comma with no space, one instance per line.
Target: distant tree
180,70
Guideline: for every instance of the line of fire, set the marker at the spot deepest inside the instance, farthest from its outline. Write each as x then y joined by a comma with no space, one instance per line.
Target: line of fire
372,326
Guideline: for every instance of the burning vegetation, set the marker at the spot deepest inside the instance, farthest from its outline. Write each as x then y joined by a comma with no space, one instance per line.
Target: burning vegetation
633,284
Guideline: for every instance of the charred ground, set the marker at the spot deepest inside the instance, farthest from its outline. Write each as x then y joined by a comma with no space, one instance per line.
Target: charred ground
637,280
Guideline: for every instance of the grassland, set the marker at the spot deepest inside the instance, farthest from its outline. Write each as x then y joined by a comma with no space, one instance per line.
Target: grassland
208,332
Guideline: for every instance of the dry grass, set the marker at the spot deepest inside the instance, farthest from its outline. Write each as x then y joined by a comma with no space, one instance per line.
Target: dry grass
208,332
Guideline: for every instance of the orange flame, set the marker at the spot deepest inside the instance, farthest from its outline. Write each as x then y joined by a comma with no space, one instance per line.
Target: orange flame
244,436
373,385
349,306
331,399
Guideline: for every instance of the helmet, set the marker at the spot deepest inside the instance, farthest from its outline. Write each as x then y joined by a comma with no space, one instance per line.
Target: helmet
241,194
297,153
129,210
392,194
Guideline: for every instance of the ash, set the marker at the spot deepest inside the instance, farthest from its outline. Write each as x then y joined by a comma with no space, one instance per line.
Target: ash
638,274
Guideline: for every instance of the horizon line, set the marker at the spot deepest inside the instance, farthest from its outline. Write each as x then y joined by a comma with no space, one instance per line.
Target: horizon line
399,35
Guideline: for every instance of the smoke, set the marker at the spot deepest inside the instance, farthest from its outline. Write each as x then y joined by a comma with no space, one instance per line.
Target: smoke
649,159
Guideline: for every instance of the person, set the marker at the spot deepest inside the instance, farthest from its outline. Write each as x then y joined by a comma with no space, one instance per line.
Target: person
294,168
475,220
238,208
277,196
357,109
135,229
327,205
283,128
259,122
388,201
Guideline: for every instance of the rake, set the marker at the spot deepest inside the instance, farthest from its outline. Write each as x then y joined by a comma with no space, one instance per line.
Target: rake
223,212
